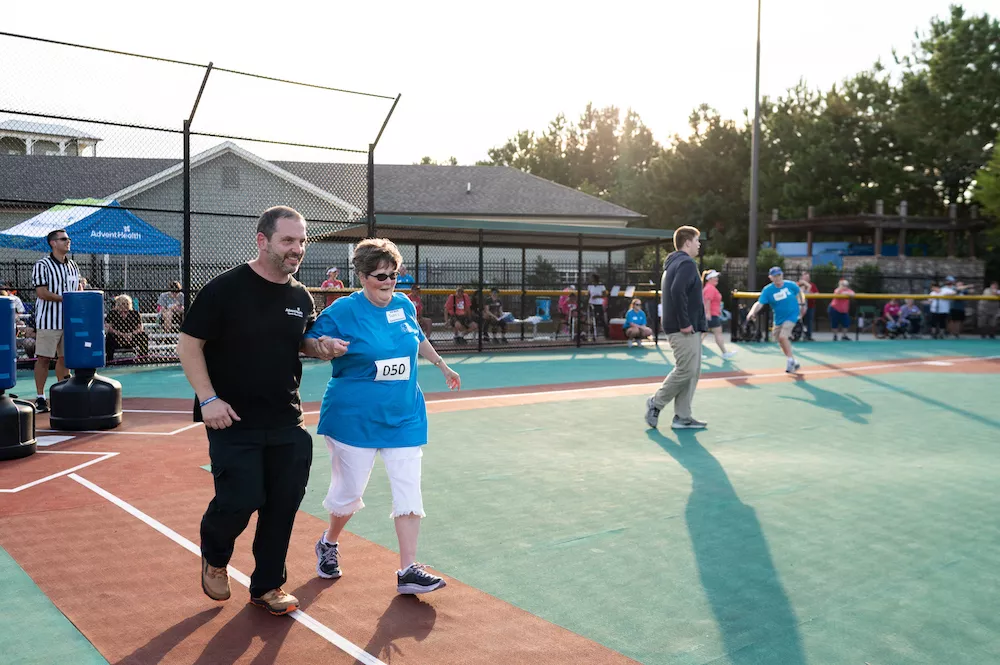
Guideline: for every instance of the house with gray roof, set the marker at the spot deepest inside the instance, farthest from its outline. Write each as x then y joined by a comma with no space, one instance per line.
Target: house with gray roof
231,185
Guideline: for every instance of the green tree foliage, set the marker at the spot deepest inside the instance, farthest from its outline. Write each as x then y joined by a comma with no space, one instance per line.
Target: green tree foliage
920,135
825,276
427,160
544,275
867,278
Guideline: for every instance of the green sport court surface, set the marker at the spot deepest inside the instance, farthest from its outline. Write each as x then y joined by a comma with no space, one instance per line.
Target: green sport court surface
847,518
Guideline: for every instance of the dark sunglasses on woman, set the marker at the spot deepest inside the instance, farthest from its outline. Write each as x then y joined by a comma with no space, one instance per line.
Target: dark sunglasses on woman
381,276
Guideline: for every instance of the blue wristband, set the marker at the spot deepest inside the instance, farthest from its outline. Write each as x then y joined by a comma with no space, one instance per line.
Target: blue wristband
207,401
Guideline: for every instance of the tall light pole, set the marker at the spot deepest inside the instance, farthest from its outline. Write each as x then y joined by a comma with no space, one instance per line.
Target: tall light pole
754,176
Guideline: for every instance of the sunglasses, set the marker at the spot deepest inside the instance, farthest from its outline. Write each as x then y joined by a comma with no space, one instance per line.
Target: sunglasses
381,276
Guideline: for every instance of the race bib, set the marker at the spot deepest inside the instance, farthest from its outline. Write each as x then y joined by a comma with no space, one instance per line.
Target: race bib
393,369
781,295
395,315
460,306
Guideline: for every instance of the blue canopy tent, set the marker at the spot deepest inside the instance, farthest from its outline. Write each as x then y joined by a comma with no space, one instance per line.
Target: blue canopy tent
96,226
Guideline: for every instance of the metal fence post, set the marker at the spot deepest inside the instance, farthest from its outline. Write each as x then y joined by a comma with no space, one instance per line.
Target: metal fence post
186,270
479,291
524,290
579,290
659,296
371,190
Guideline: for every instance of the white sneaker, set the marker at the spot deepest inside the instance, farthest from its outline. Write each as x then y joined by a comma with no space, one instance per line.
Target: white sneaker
728,354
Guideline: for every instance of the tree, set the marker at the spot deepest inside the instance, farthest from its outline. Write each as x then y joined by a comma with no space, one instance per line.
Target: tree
430,161
544,275
987,194
601,154
949,103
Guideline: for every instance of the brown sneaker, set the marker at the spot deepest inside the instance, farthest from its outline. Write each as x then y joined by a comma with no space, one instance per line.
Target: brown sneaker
277,602
214,581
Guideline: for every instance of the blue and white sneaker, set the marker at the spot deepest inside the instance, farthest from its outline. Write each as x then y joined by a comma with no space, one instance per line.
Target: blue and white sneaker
327,559
416,579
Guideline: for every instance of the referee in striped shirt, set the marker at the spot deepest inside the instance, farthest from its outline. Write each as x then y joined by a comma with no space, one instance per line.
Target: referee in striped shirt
52,276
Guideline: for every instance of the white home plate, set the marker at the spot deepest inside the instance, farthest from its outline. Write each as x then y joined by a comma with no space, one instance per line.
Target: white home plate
939,363
51,440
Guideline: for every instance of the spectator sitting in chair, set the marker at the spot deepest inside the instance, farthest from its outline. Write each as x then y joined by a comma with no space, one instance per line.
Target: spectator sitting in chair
913,317
170,307
418,304
635,326
891,315
25,331
494,317
8,292
457,312
566,309
124,329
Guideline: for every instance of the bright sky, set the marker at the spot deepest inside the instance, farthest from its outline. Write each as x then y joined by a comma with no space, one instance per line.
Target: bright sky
470,74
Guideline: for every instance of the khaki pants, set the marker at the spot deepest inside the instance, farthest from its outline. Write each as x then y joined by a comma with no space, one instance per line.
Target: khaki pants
679,385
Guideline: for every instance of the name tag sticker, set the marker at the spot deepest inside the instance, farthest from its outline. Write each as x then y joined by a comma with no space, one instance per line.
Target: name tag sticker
393,369
781,295
395,315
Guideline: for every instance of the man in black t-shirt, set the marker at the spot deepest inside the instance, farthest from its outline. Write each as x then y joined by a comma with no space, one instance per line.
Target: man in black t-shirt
239,347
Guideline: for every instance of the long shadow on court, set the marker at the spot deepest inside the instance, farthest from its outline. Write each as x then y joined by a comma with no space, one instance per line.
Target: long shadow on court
930,401
406,617
252,624
157,649
852,408
751,608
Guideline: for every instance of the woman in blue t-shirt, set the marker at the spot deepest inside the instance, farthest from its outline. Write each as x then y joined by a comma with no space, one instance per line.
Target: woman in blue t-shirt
635,324
374,405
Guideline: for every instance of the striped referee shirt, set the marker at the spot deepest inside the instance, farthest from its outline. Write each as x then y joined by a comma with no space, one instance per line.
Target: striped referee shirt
57,277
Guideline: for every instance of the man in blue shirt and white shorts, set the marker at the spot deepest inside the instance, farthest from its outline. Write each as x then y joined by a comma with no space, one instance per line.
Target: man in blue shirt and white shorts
788,304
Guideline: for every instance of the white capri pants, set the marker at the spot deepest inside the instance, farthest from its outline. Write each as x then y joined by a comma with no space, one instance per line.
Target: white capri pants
351,469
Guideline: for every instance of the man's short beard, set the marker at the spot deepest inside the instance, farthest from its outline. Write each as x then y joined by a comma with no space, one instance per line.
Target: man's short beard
278,261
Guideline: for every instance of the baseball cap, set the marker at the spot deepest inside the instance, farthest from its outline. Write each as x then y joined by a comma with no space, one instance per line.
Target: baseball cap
334,269
949,278
775,270
712,274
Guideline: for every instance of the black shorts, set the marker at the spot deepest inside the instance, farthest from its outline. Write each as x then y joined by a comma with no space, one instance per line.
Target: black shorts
714,322
957,314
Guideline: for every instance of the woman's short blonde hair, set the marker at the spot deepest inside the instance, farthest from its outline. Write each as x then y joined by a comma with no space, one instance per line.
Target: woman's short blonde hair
125,299
635,301
371,252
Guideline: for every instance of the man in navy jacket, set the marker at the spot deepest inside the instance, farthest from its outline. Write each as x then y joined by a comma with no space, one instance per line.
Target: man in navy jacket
684,322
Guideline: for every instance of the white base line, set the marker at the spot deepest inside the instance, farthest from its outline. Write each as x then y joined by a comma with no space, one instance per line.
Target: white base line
187,412
748,377
312,624
103,457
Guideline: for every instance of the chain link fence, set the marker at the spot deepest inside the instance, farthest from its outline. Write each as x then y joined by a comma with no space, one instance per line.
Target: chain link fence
158,170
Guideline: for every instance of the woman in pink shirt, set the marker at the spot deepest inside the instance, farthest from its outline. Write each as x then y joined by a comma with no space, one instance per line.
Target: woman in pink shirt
713,310
840,318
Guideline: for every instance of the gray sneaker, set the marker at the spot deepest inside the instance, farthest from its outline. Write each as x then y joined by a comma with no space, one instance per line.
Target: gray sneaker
687,423
415,579
652,413
327,559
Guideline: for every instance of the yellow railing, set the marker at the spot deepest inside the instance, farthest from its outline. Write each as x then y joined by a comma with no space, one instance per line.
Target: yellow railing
503,292
872,296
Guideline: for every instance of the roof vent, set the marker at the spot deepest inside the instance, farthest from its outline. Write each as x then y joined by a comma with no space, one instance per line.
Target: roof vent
468,188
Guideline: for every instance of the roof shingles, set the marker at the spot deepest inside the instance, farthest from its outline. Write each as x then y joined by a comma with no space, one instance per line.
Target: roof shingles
399,189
